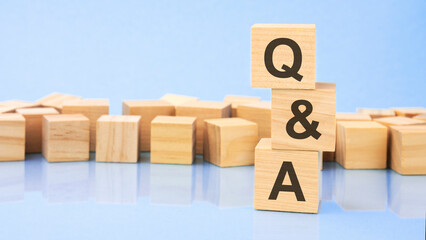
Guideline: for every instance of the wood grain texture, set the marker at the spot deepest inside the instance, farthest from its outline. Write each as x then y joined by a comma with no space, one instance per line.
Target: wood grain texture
33,129
117,139
267,165
376,113
323,100
173,140
361,145
176,99
262,35
12,137
258,112
408,149
66,137
203,110
237,100
409,111
230,142
148,110
55,100
92,109
353,117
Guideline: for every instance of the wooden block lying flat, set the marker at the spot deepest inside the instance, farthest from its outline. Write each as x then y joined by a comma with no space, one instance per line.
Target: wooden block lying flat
66,137
117,139
285,180
175,99
353,117
258,112
237,100
377,113
15,104
203,110
6,109
12,137
409,111
420,117
361,145
230,142
55,100
399,121
173,140
92,109
408,149
283,56
316,109
33,129
148,110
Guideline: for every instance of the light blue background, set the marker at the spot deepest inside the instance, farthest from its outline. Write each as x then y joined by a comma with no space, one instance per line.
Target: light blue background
373,50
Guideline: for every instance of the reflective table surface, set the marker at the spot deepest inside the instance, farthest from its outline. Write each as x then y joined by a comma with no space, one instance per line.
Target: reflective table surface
89,200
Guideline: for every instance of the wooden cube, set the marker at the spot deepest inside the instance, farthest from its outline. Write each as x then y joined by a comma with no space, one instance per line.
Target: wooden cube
203,110
56,100
283,56
175,99
377,113
237,100
361,145
285,180
12,137
66,137
117,139
258,112
33,129
230,142
420,117
408,149
353,117
304,119
15,104
148,110
92,109
173,140
409,111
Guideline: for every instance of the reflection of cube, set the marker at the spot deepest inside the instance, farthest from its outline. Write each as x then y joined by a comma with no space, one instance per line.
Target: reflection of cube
12,137
286,180
117,138
173,140
376,113
258,112
409,111
361,144
66,137
230,141
408,149
12,181
237,100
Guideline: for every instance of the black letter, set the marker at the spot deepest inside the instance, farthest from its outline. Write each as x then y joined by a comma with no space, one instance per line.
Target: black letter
294,187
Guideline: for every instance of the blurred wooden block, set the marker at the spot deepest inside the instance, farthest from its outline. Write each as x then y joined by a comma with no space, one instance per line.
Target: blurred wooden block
92,109
173,140
399,121
117,139
230,142
55,100
353,117
329,156
15,104
175,99
377,113
420,117
148,110
203,110
286,180
408,149
66,137
237,100
287,124
278,40
361,145
409,111
12,137
33,129
258,112
6,109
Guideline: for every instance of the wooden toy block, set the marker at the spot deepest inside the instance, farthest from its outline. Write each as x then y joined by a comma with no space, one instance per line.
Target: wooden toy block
12,137
175,99
5,109
377,113
33,126
148,110
409,111
173,140
117,139
203,110
361,145
408,149
92,109
285,180
283,56
66,137
420,117
353,117
15,104
258,112
399,121
237,100
304,119
230,142
56,100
